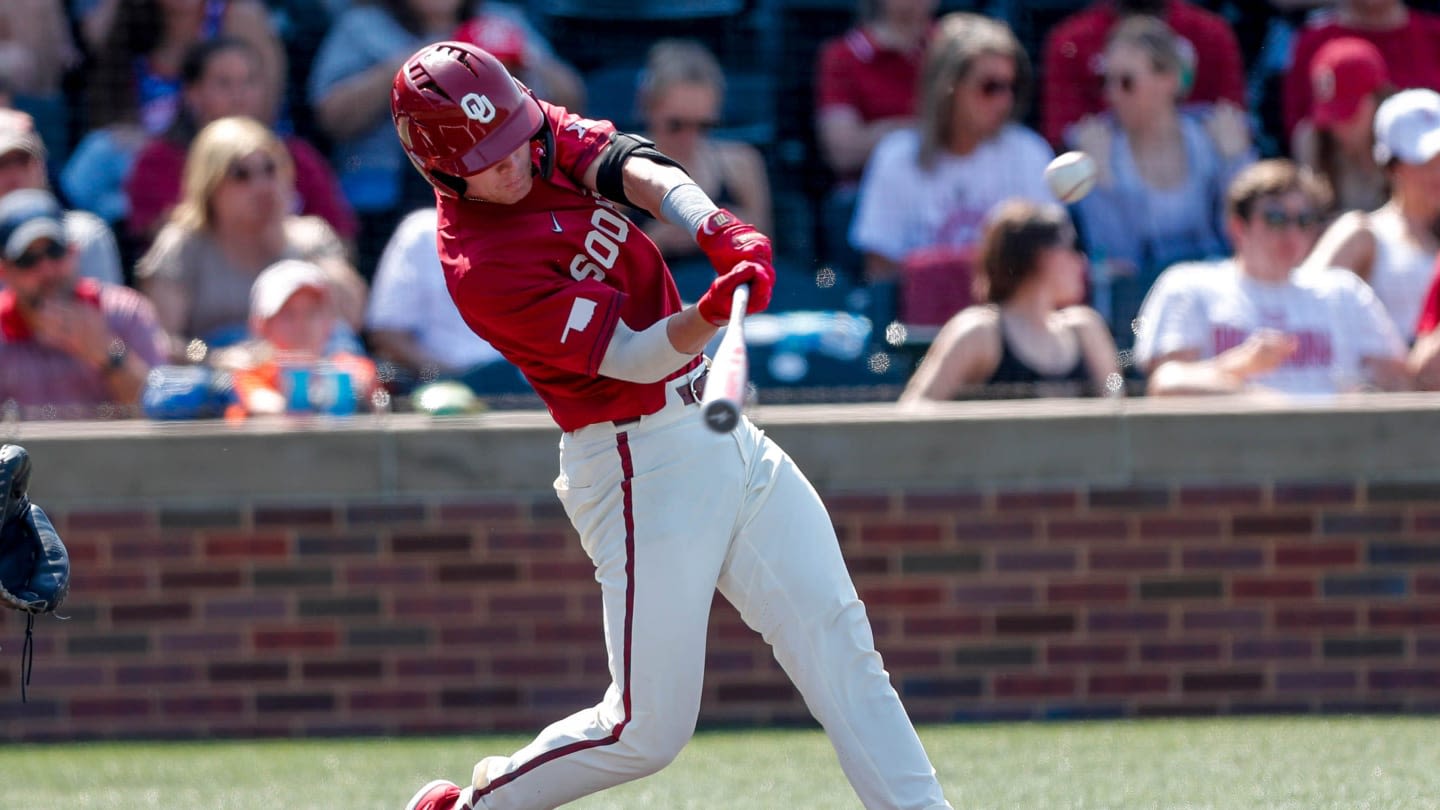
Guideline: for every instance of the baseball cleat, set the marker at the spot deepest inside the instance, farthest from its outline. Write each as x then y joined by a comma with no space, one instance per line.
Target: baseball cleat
442,794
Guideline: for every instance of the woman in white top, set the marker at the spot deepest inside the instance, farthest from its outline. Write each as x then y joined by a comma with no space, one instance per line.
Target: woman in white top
1394,247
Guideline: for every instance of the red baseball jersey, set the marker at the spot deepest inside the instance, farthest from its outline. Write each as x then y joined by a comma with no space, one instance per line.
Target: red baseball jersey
545,280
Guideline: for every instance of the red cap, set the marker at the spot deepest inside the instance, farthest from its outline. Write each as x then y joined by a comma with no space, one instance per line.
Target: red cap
1342,72
504,39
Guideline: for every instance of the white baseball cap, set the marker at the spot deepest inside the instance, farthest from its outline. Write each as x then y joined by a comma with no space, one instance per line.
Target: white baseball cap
1407,127
274,286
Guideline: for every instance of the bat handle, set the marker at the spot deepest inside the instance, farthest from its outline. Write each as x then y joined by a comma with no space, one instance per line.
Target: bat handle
739,302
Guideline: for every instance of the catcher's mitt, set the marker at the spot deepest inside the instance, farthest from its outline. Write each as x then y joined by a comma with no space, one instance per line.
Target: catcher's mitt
34,566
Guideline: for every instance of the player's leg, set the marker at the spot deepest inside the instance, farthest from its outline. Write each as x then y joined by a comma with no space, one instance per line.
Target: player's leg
657,552
786,576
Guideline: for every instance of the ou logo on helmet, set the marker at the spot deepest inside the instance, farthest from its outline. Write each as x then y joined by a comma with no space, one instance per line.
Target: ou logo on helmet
478,107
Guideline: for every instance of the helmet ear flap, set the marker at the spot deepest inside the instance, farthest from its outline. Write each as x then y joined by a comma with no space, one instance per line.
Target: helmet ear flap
547,144
450,181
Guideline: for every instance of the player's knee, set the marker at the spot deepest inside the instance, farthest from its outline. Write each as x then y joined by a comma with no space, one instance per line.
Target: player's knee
656,742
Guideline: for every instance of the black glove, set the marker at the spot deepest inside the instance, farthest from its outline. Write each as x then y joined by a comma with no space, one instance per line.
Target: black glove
34,566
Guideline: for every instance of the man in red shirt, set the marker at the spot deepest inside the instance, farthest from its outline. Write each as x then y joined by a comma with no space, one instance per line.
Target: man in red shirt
1408,39
541,263
70,347
1073,76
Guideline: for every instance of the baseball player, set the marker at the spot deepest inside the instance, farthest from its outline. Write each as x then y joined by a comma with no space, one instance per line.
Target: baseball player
541,263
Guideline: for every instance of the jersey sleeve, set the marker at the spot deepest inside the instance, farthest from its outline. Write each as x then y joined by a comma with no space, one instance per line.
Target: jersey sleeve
530,314
578,140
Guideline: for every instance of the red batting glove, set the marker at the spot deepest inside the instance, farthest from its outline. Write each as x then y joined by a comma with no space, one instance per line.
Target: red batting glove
727,241
714,305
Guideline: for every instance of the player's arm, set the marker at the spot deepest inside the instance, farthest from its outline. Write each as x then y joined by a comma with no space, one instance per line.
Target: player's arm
630,170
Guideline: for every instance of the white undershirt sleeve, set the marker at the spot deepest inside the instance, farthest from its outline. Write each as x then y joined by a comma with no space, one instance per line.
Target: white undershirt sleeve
642,357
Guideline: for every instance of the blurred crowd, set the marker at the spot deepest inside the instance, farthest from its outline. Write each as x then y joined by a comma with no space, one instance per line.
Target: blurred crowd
204,210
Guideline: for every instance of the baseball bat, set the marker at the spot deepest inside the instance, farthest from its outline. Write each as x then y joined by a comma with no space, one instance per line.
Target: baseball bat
730,373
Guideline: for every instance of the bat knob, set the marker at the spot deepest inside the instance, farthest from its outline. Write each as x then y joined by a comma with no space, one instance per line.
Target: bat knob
721,416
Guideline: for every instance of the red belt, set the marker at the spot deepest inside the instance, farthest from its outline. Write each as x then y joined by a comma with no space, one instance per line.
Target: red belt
690,392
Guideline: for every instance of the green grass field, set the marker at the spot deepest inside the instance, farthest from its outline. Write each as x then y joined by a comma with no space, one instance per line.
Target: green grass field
1227,764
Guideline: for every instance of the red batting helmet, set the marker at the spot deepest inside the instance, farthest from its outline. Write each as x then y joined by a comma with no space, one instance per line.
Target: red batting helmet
458,111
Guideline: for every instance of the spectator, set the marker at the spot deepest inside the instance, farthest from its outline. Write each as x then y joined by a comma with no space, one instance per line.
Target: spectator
220,78
865,86
350,93
36,50
139,46
1074,69
1033,338
288,365
934,184
680,97
1394,247
232,222
1348,80
414,327
133,90
1162,172
1253,322
1405,37
70,347
866,79
22,165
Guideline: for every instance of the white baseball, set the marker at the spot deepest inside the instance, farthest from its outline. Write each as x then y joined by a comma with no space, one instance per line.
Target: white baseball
1071,176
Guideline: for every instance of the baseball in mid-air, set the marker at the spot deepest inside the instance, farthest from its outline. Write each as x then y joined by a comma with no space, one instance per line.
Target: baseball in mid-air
1071,176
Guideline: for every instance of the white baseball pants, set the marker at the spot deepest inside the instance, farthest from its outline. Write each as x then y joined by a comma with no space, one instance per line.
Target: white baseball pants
669,511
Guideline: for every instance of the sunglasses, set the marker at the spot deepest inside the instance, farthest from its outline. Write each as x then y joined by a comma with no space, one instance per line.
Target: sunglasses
53,251
990,88
1276,219
244,174
677,125
1124,81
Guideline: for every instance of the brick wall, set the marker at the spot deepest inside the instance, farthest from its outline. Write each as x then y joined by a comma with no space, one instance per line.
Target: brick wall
389,611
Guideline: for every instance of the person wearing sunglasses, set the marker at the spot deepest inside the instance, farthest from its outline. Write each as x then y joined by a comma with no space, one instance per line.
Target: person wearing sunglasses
680,98
929,188
23,165
1162,169
1072,57
1395,246
1254,322
70,347
222,77
234,219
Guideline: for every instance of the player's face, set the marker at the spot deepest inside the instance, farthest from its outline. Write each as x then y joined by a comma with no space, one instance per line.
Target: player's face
507,182
230,85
